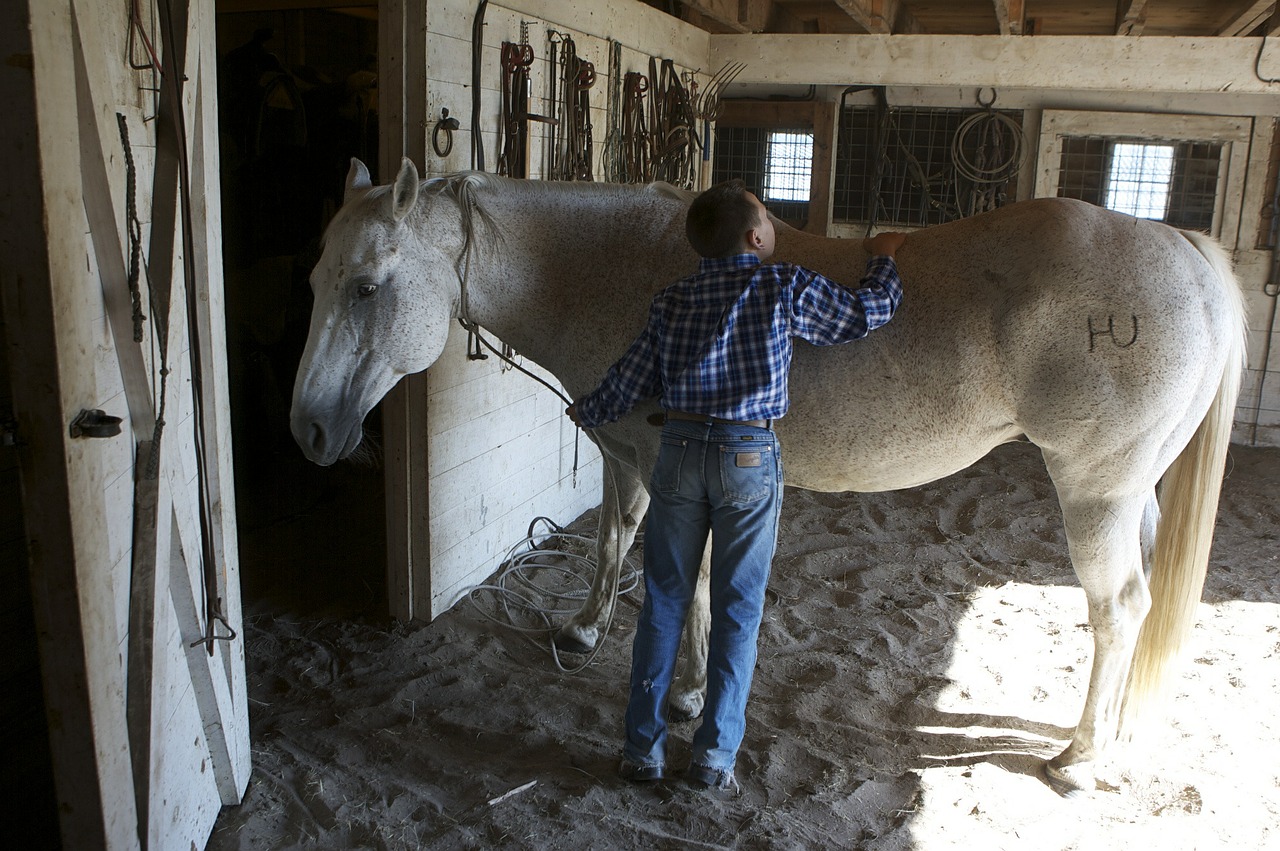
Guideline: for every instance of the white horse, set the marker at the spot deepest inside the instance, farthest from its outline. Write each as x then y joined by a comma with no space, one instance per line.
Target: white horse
1112,343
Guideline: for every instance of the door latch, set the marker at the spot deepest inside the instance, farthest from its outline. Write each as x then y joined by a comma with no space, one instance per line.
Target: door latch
95,423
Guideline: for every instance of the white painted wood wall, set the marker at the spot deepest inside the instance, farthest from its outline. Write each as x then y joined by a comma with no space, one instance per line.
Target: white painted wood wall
149,734
499,448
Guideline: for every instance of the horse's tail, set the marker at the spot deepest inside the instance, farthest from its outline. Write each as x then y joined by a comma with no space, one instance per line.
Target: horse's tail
1188,497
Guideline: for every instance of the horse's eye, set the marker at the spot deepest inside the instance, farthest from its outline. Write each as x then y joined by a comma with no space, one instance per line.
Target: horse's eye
366,290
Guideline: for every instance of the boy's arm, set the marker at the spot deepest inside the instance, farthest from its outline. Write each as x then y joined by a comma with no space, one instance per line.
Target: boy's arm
826,313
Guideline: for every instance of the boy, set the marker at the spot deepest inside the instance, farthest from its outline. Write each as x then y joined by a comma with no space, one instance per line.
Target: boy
716,351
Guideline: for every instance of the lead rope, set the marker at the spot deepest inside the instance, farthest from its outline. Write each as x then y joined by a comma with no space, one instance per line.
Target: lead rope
473,330
474,337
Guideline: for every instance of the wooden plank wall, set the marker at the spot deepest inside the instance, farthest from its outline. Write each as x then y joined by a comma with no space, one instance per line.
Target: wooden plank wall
500,449
78,495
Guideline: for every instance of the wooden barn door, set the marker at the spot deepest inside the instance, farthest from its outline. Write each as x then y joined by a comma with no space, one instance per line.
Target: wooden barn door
112,303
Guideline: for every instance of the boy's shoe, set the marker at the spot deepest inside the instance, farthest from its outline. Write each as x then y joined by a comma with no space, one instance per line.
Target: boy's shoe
717,779
637,773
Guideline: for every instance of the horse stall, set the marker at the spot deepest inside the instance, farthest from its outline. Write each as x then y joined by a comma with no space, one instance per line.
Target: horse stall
418,605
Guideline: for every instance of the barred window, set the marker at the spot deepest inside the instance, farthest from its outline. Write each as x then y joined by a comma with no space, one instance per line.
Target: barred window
775,164
914,167
1170,181
1138,182
788,169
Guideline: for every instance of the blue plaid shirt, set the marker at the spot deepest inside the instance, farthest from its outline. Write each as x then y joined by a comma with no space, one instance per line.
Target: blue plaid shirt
719,342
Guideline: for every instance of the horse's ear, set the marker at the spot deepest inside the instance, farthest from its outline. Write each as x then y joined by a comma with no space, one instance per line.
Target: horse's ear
405,192
357,179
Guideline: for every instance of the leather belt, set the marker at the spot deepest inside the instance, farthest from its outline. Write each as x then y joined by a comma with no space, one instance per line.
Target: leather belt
704,418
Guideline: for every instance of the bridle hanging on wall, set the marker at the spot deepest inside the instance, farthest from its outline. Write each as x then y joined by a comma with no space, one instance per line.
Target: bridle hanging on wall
611,158
513,122
674,134
513,128
656,128
634,142
570,152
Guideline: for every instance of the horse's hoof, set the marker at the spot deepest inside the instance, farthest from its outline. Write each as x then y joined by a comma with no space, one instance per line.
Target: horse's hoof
676,715
568,642
681,709
1069,781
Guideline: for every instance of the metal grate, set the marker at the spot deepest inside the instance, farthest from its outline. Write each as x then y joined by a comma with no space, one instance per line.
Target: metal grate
1174,181
775,165
915,167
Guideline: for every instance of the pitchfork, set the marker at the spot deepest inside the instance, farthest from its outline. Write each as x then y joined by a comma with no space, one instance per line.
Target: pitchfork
706,104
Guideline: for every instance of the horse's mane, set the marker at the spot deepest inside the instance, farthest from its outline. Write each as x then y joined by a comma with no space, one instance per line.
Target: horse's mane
463,187
556,189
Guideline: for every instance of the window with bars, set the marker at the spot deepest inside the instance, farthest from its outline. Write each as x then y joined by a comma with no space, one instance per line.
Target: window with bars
788,167
775,164
915,167
1171,181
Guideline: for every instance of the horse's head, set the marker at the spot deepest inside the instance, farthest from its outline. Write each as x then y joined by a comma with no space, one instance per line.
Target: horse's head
384,296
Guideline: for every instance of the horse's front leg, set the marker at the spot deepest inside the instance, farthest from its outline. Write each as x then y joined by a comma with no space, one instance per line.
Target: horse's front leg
689,691
1104,539
621,509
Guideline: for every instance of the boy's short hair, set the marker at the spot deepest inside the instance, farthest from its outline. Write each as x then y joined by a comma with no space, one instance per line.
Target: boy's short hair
719,219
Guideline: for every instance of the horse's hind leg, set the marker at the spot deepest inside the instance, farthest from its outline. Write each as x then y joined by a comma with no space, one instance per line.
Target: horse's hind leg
622,508
689,691
1106,541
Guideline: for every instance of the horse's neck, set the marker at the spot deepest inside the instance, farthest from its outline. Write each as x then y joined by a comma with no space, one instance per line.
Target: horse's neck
563,249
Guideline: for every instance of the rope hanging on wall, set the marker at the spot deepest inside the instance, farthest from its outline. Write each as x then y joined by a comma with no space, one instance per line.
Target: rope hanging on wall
987,150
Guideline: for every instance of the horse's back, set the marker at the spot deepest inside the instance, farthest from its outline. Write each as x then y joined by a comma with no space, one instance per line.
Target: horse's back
1091,332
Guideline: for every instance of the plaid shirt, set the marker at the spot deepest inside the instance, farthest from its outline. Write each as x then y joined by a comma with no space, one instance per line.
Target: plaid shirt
719,342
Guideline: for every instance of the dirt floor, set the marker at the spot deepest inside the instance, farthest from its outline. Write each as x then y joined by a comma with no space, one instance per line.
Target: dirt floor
922,652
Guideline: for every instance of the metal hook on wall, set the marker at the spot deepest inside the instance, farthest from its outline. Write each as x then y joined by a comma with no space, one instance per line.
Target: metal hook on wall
445,125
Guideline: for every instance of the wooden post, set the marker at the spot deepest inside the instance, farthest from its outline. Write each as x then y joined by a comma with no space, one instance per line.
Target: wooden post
402,110
822,177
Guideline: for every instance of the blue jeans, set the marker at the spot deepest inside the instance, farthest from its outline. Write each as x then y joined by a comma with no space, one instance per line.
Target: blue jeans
726,480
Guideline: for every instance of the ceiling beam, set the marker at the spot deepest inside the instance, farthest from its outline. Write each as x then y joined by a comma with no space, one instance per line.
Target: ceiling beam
348,6
747,16
1249,20
1175,64
1131,17
740,17
1011,15
881,17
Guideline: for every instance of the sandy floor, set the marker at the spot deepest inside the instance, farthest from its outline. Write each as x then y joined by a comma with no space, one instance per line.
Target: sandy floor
922,652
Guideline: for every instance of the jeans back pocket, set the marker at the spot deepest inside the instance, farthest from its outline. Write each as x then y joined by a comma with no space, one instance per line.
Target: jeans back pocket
747,473
667,472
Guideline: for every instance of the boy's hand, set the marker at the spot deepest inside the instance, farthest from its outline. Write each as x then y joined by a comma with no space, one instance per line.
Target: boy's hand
884,243
572,413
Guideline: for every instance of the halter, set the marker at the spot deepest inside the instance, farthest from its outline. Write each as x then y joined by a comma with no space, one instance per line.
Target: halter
467,205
